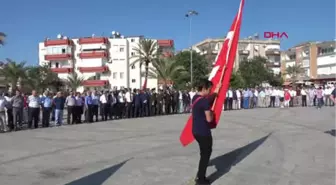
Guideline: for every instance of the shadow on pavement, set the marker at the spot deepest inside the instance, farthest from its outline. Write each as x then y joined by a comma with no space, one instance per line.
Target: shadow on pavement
98,178
331,132
224,162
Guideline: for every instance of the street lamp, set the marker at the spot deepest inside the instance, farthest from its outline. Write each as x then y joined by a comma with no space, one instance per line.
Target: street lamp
189,15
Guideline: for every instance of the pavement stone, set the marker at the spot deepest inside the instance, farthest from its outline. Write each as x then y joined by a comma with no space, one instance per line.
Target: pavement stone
251,147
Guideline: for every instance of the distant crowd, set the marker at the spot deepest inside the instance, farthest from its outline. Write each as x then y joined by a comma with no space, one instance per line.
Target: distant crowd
88,107
279,97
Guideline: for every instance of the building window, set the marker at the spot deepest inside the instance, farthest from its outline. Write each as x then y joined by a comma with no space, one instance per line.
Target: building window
63,50
121,75
57,65
132,40
133,66
121,49
115,75
132,53
122,59
133,80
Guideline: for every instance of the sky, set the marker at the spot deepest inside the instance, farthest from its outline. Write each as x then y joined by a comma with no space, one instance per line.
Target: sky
29,22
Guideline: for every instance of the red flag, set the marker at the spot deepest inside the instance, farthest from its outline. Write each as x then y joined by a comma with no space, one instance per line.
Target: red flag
221,72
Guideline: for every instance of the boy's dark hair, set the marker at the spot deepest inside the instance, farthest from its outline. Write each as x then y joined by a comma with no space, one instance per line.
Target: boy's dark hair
203,83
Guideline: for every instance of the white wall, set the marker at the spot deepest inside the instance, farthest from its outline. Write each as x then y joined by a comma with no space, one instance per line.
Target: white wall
326,60
120,63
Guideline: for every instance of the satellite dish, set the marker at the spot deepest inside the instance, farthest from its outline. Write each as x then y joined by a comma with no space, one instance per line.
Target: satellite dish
65,37
113,32
118,33
59,36
93,35
122,36
250,37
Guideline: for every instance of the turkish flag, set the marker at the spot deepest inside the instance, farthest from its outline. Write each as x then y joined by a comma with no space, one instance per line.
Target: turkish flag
221,72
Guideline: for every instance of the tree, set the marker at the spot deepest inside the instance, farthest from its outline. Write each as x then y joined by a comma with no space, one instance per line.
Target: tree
294,72
276,80
13,72
200,67
2,38
166,70
74,81
254,71
145,53
40,78
236,80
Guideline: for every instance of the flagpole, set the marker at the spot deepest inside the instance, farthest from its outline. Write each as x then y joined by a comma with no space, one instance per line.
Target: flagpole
191,53
189,15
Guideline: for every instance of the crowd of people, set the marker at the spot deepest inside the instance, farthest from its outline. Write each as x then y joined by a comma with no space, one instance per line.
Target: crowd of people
279,97
91,106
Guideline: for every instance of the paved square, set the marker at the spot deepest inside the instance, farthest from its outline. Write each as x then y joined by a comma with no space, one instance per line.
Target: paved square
251,147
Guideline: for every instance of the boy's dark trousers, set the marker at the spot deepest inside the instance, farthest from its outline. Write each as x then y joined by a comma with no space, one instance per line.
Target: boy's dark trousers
71,115
205,145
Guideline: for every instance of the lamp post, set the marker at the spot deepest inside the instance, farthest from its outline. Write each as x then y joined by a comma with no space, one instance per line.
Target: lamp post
189,15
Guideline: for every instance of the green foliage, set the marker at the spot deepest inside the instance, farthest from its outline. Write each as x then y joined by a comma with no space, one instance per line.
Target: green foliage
13,72
254,72
40,78
294,72
74,81
237,80
200,67
166,70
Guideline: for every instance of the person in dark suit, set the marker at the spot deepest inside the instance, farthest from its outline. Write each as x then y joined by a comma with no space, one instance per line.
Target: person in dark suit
159,103
137,104
153,103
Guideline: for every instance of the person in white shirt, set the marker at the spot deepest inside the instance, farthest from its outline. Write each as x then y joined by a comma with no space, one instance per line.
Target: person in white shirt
34,103
274,93
230,98
121,105
3,104
262,99
268,93
129,100
9,111
304,97
104,105
281,98
327,93
255,98
292,92
238,102
181,108
192,94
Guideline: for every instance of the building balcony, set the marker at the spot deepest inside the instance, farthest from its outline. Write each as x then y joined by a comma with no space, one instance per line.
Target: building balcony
95,83
62,70
272,52
93,54
165,43
93,40
58,42
58,57
244,52
93,69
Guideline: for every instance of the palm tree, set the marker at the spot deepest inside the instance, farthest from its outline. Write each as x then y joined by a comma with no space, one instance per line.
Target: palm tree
294,72
40,78
145,53
2,38
13,72
166,70
74,81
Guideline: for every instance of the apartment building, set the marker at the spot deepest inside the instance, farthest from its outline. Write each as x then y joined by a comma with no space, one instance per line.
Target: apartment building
247,49
104,62
318,59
